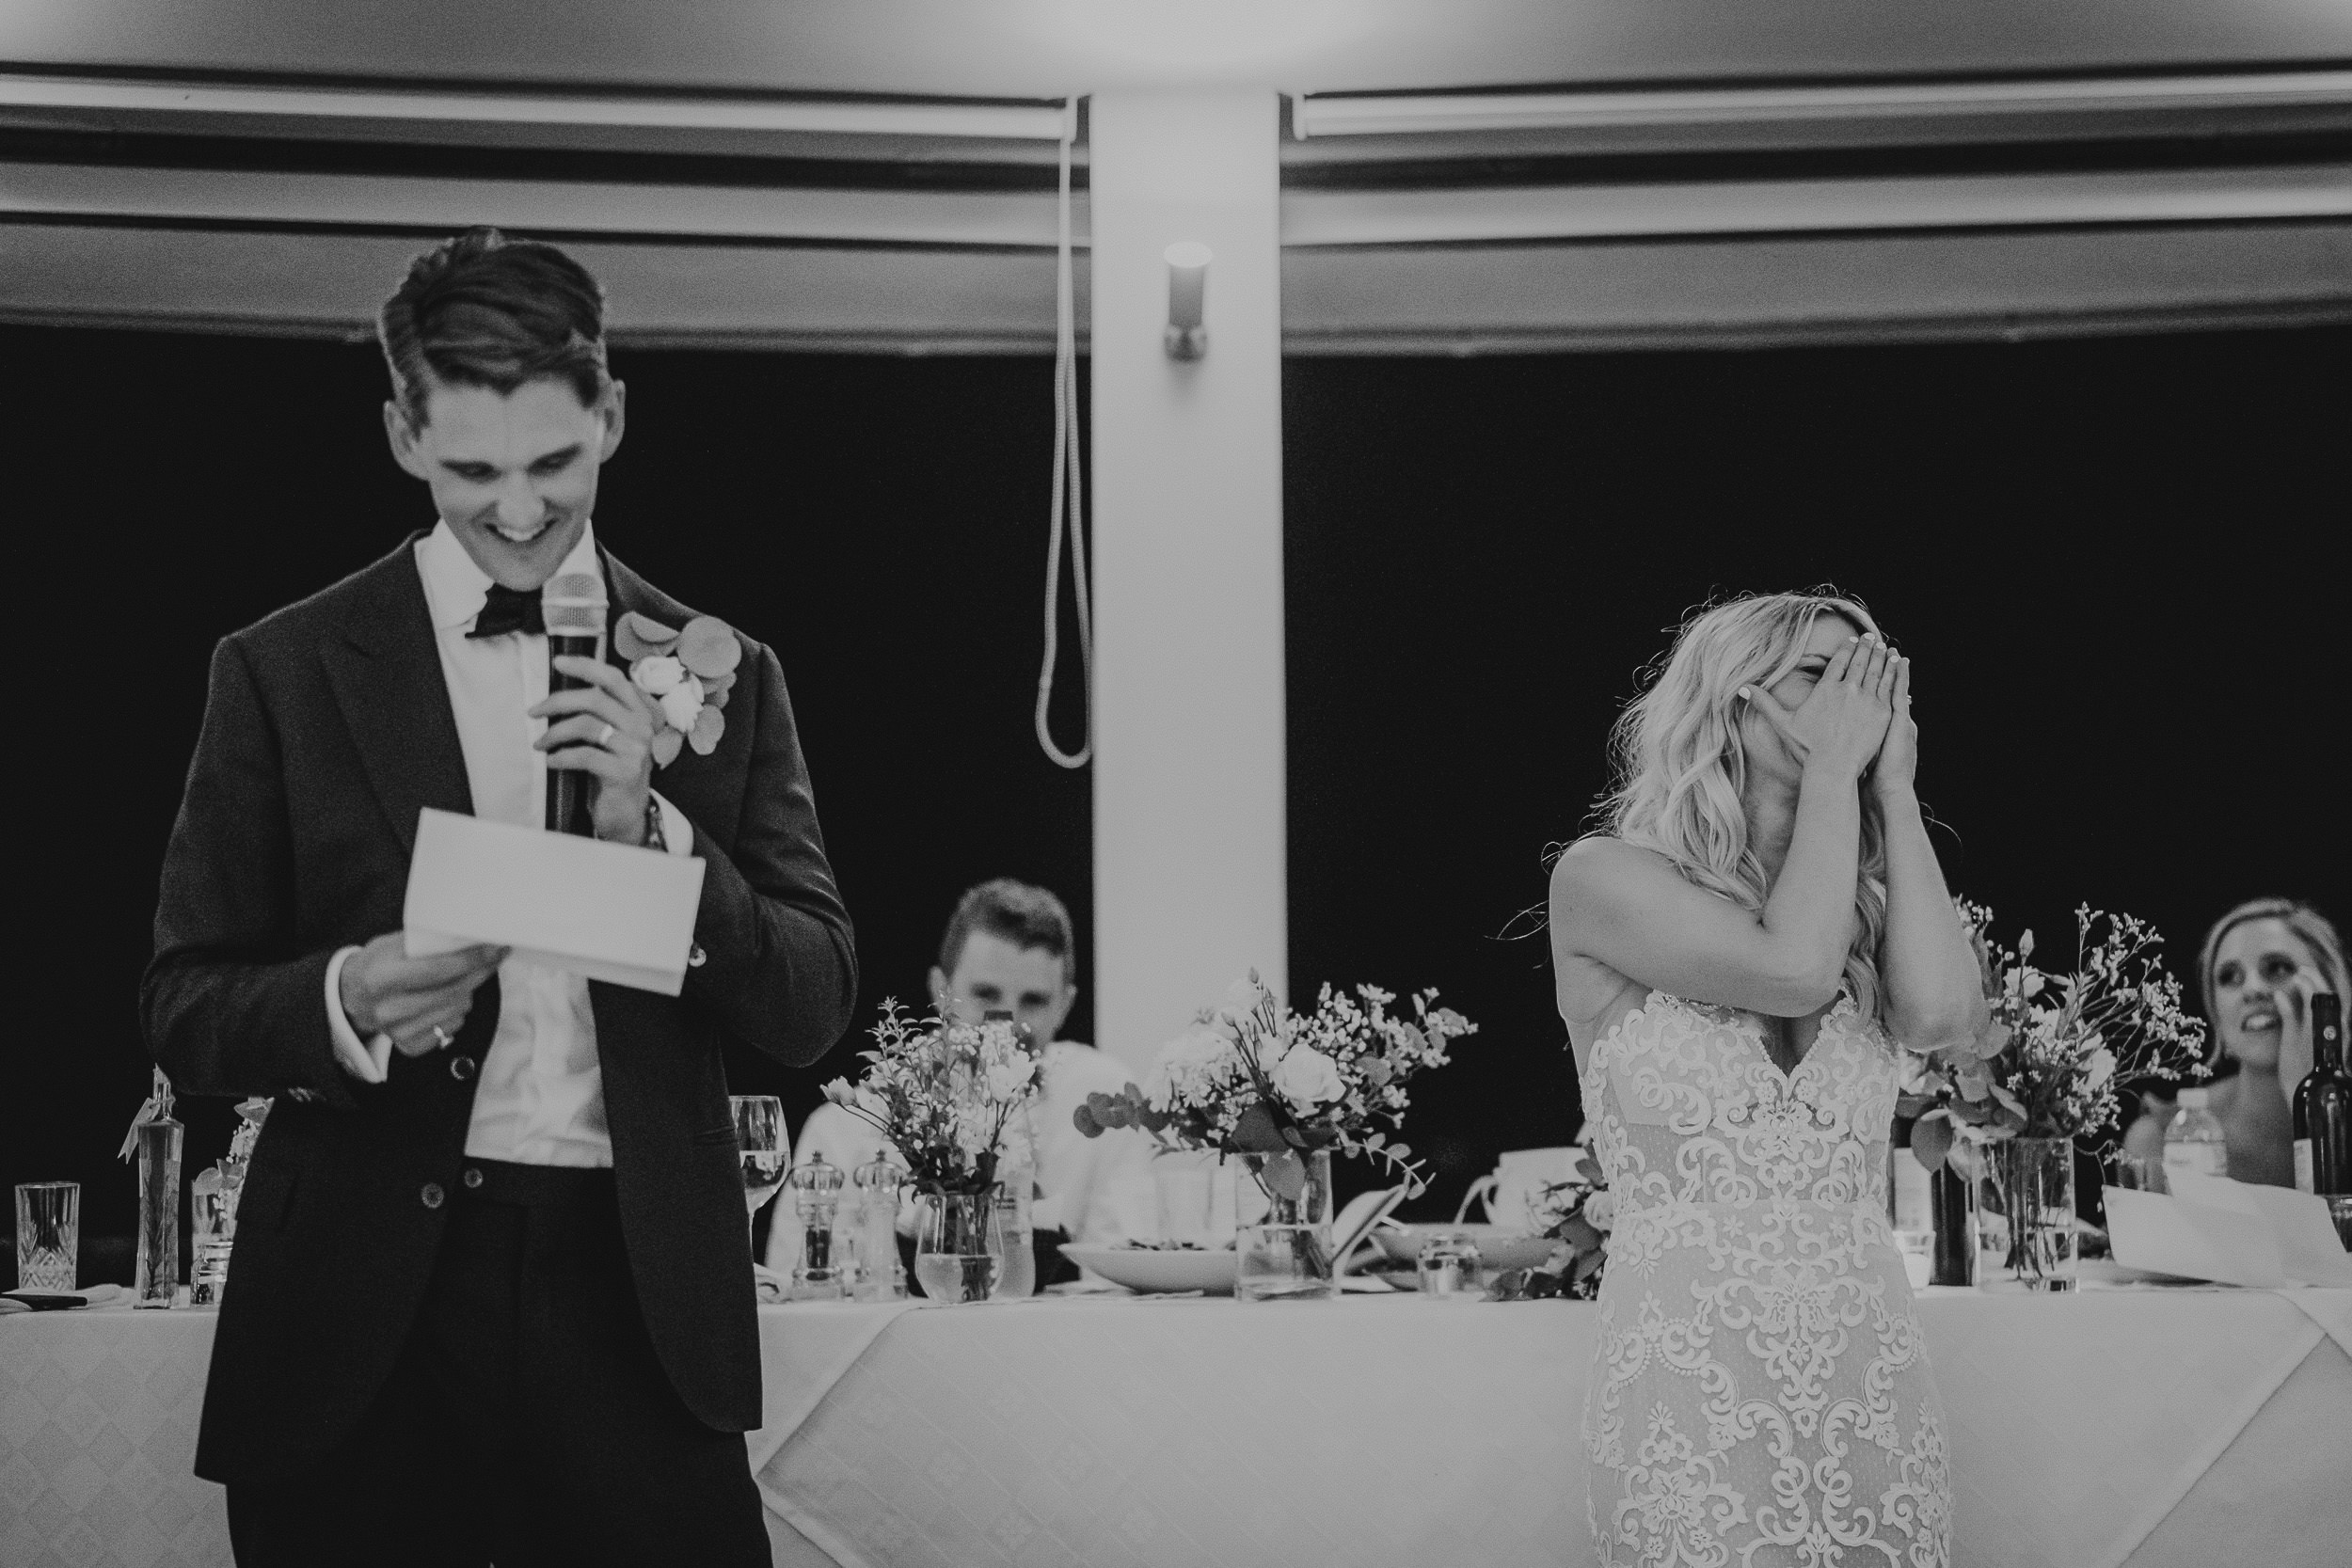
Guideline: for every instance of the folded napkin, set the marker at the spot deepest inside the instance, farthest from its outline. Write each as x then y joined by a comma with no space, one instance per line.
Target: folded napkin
51,1300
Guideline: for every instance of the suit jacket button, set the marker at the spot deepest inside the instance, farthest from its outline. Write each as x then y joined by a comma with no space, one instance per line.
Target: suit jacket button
432,1194
695,956
461,1068
472,1178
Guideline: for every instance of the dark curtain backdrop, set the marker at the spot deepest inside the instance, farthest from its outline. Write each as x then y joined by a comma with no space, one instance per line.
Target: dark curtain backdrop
2107,558
2113,563
881,522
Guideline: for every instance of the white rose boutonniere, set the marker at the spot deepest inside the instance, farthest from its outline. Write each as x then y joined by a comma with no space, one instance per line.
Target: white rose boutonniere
687,672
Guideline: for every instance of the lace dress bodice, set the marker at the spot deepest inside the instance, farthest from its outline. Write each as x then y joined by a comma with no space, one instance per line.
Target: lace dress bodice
1760,1392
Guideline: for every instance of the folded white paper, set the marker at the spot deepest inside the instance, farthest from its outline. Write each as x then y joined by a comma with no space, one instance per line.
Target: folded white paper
607,912
2233,1232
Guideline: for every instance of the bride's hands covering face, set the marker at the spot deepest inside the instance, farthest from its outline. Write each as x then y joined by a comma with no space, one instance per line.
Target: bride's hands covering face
1842,722
1899,758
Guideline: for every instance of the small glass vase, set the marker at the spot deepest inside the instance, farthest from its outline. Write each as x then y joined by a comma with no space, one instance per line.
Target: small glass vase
957,1251
157,1279
1285,1253
1184,1194
2023,1199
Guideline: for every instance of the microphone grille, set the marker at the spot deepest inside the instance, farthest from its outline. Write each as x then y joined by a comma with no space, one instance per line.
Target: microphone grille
572,603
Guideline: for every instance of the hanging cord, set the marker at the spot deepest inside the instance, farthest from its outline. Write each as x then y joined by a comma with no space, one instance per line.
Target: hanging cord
1067,484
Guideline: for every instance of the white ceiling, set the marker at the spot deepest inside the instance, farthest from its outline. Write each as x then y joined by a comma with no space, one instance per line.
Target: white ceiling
1050,48
1428,236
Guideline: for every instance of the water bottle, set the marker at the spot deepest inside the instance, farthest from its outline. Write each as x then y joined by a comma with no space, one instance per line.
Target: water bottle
2193,1142
1016,1274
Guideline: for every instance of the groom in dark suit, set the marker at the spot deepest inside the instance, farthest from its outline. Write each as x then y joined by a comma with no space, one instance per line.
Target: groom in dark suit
491,1298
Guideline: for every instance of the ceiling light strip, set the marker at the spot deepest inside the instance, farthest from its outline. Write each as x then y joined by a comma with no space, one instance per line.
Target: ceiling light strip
1315,219
65,192
1566,111
997,121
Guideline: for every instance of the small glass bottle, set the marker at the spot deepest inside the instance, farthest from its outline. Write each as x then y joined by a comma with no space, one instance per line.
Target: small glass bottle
158,1277
881,1274
209,1227
2194,1144
817,1274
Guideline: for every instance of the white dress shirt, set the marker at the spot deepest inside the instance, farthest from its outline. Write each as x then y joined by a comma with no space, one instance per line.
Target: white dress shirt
541,1098
1095,1188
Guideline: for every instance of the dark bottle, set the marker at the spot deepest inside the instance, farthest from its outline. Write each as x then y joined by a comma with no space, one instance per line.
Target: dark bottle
1955,1261
2323,1107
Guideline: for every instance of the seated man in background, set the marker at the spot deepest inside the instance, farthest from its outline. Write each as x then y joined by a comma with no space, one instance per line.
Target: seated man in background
1009,947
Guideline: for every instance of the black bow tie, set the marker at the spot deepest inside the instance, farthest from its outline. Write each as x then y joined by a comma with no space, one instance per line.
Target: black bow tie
509,609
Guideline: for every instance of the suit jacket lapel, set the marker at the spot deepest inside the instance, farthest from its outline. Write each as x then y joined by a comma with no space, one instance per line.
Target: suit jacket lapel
386,672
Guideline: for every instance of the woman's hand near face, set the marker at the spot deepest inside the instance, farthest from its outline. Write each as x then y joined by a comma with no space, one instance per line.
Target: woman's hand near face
2294,1030
1842,723
1898,767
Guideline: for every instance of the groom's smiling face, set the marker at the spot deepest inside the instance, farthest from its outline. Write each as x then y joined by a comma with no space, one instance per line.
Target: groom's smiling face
514,474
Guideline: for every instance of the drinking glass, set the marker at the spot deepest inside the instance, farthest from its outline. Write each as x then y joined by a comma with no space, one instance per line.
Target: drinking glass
1449,1265
761,1144
2141,1173
48,1235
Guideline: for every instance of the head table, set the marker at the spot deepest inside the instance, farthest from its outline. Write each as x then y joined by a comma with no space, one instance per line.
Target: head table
2142,1426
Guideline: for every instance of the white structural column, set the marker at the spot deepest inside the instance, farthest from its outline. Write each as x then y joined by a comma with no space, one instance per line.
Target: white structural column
1190,880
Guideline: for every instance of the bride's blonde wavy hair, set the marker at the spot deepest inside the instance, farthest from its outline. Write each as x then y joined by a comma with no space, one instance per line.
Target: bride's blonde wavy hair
1680,767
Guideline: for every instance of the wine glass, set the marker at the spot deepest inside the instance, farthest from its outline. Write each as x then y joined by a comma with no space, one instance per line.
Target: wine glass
761,1144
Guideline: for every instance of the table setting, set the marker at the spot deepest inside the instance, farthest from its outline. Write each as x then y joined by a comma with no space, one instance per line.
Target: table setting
1260,1378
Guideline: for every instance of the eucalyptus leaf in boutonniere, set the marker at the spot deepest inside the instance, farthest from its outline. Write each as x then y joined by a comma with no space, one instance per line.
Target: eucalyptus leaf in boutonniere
687,672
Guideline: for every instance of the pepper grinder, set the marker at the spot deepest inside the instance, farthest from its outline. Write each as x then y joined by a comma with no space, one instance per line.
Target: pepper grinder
880,1276
815,1197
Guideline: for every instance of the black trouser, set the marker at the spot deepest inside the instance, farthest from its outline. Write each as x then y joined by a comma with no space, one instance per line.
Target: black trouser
526,1421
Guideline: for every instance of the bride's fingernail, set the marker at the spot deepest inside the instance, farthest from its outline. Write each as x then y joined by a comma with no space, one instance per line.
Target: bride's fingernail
1744,693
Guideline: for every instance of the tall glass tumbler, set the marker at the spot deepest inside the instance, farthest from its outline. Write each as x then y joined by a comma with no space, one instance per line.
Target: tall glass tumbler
48,1235
158,1276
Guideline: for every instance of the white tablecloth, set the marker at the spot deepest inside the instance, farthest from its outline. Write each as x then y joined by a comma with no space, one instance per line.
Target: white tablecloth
2155,1428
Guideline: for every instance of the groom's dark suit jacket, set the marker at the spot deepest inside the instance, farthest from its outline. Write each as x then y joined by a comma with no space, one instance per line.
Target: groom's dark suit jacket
328,726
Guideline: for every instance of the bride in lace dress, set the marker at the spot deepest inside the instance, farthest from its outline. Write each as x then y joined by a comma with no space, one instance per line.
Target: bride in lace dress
1738,960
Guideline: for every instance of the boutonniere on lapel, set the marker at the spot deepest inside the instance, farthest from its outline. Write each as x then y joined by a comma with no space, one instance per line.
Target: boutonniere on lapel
687,672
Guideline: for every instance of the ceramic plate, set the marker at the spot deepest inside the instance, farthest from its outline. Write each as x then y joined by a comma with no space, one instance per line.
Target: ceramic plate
1141,1269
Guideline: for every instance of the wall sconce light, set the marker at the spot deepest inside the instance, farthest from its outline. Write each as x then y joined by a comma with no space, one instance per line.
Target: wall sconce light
1187,279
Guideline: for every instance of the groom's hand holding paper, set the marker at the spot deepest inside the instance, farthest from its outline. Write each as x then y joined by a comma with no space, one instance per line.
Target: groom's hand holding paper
606,912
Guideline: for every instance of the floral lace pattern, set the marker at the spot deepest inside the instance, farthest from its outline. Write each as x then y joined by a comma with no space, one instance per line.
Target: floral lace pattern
1761,1393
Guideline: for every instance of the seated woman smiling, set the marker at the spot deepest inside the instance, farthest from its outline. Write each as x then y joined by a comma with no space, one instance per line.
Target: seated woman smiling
2257,972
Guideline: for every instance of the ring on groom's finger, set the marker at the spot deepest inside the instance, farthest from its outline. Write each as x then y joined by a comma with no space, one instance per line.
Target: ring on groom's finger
605,739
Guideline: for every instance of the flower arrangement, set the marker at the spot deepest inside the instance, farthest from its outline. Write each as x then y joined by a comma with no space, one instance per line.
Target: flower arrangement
687,672
943,1092
2047,1064
1576,1213
1252,1077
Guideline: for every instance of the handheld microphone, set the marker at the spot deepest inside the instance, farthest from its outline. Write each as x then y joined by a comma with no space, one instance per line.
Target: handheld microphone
573,605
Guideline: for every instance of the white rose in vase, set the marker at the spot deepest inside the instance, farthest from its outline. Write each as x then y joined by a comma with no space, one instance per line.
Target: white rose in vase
1307,1078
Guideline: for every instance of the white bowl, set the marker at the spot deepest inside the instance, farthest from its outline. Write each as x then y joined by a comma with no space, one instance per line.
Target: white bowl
1498,1246
1144,1269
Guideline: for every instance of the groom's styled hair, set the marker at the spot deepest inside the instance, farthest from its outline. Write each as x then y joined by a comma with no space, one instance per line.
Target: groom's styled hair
483,310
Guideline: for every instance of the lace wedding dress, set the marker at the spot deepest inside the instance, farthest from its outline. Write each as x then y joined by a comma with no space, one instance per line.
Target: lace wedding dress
1760,1394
